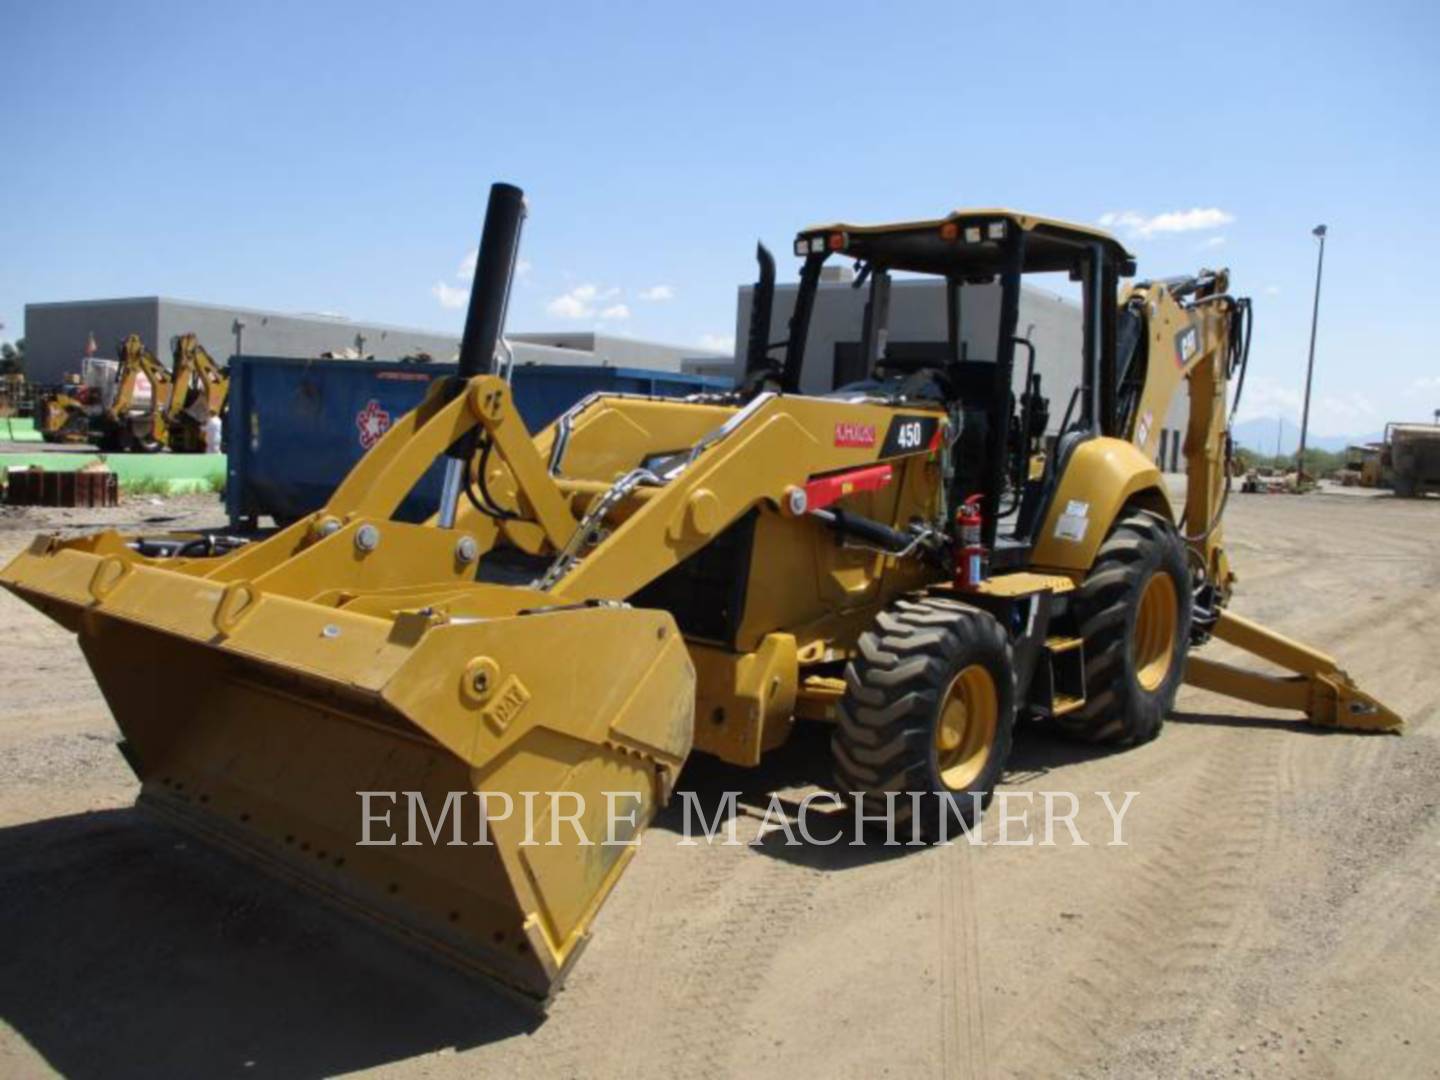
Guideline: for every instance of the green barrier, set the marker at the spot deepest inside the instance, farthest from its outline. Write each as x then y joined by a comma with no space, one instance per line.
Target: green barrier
172,473
19,429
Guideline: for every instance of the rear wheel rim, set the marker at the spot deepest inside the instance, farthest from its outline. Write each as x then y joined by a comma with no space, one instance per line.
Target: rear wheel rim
965,727
1157,618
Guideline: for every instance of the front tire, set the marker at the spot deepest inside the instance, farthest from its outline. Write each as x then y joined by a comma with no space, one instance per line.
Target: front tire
1133,611
928,707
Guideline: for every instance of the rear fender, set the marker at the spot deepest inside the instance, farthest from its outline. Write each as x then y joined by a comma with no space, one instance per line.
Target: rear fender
1101,478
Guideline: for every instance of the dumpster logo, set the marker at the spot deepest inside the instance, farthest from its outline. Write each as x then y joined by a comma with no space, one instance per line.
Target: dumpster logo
372,421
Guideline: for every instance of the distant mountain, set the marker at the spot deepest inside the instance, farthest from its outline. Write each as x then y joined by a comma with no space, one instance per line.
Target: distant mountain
1260,435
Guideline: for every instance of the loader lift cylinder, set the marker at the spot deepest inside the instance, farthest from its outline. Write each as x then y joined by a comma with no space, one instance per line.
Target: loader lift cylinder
484,322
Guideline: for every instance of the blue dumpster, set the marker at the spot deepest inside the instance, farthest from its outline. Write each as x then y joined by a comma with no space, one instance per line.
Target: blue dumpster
294,428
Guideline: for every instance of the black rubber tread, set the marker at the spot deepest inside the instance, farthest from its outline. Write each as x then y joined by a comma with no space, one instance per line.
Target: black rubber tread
884,740
1117,708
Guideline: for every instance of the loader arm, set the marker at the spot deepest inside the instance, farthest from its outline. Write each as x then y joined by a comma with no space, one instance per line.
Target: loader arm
350,671
1196,335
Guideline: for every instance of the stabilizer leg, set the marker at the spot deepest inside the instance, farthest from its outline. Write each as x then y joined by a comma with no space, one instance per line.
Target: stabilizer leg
1319,688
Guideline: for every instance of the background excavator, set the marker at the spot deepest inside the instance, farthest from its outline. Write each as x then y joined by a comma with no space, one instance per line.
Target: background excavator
113,413
645,577
120,413
199,388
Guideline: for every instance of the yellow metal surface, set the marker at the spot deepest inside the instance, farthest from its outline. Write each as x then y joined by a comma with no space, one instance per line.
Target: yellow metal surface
1023,583
1157,622
350,652
785,440
745,702
295,706
1189,347
198,390
1317,686
1102,477
965,727
818,696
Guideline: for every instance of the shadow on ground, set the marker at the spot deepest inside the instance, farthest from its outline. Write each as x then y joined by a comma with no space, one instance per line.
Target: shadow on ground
802,767
127,949
1290,723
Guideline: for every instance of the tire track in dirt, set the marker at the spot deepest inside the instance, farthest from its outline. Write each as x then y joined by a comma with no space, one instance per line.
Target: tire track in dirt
962,1006
697,945
758,902
1177,907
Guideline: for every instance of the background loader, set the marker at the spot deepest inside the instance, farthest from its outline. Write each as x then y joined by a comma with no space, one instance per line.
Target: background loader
646,577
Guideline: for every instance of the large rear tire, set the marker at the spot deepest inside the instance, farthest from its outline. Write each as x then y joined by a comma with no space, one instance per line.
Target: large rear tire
1133,610
929,708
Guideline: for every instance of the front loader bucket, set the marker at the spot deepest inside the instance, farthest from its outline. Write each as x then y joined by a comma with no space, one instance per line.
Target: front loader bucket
260,720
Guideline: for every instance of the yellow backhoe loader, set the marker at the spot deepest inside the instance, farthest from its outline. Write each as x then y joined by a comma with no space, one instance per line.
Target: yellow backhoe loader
647,577
112,414
199,388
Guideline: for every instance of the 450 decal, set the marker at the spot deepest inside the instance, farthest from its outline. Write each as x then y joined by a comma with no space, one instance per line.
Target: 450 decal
911,435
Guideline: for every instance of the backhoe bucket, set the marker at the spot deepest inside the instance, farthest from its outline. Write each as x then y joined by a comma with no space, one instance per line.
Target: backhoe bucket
477,782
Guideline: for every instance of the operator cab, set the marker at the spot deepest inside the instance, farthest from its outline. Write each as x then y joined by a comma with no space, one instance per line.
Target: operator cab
972,372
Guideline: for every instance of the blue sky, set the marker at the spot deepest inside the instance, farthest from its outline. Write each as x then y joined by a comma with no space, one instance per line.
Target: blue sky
335,157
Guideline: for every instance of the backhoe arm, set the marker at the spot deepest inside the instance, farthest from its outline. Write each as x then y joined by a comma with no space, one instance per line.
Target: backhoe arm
1198,334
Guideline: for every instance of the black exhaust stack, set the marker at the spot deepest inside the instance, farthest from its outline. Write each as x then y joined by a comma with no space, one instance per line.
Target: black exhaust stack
757,346
494,272
484,323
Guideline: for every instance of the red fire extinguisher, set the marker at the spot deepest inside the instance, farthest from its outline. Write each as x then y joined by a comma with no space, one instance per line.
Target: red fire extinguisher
970,553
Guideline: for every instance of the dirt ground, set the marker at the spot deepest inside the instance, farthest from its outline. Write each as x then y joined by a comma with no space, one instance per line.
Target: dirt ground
1276,910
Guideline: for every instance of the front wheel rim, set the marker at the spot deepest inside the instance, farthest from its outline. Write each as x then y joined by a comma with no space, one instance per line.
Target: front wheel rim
965,727
1157,620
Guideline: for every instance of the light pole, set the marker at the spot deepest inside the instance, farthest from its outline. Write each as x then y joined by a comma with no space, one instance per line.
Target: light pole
1318,231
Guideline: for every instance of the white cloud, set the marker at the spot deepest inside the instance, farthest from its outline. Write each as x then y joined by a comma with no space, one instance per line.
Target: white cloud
1265,397
581,302
449,296
657,293
1171,221
570,306
1330,414
1272,290
722,343
453,296
1212,242
615,311
1426,383
1354,407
